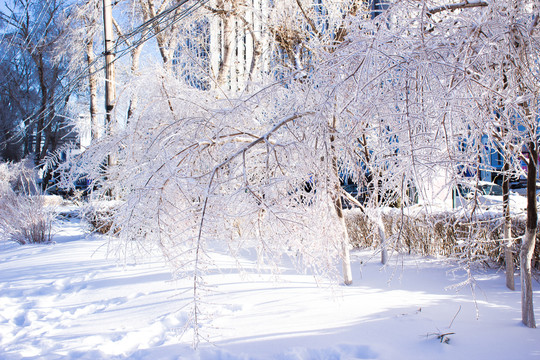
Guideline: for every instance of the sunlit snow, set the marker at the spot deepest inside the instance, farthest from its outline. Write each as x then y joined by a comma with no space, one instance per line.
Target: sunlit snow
69,300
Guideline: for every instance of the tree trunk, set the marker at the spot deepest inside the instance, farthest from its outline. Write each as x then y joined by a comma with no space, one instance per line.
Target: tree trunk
345,254
345,242
382,236
507,229
225,63
150,12
256,51
28,126
380,223
528,241
38,59
95,128
51,139
135,61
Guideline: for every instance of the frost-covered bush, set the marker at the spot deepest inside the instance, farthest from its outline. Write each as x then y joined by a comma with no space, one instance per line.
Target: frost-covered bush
100,215
5,178
19,177
24,215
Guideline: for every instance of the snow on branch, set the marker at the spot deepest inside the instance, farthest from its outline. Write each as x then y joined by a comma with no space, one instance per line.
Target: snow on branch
461,5
261,138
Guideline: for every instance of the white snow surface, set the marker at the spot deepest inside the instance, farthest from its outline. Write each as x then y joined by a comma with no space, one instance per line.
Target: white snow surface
69,300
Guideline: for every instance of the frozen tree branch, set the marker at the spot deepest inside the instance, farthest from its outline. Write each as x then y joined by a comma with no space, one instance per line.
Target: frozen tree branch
261,138
451,7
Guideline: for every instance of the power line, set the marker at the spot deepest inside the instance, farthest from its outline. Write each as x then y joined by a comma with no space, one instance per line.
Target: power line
147,29
164,20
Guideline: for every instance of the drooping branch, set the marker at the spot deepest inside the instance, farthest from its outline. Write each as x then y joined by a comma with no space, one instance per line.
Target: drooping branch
198,245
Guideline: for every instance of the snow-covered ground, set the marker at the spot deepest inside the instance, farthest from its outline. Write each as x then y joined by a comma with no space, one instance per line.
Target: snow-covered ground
69,301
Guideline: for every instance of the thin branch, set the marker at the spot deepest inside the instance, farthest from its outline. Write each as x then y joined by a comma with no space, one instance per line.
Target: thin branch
262,138
308,19
462,5
534,24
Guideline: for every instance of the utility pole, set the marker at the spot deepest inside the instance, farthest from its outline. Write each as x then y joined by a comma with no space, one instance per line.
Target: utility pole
110,91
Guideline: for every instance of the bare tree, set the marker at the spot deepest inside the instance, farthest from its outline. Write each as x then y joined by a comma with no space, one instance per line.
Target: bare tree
18,97
32,30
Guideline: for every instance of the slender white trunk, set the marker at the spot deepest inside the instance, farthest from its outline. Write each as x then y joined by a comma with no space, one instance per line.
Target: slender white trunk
95,127
509,257
382,237
226,62
345,254
527,308
345,243
529,239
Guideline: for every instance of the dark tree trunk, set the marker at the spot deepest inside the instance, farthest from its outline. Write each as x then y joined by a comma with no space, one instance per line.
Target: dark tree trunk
43,108
528,241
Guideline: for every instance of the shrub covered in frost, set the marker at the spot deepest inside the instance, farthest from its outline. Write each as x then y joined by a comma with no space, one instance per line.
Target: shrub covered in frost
478,239
24,216
99,215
